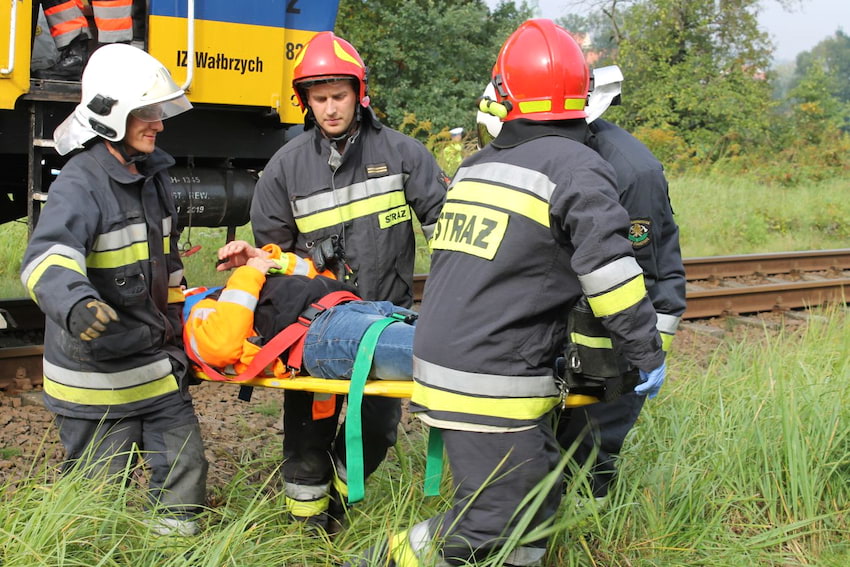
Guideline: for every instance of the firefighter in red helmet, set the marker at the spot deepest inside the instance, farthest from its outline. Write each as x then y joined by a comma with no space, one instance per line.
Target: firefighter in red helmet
343,193
531,223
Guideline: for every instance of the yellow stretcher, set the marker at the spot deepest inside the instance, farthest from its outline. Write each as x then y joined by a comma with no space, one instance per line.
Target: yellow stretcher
386,388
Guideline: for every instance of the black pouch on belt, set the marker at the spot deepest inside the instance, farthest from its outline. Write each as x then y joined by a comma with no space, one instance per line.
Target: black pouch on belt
593,366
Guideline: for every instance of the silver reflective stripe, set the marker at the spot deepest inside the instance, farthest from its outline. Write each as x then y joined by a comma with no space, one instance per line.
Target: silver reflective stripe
345,195
490,385
175,278
306,492
609,276
301,267
166,226
238,297
511,175
526,556
59,250
108,380
667,323
421,541
202,312
121,238
428,230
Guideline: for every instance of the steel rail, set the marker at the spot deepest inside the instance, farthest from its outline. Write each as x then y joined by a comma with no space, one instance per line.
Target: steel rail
718,267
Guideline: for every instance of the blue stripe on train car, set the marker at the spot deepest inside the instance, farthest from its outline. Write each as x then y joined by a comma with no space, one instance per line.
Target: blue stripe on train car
308,15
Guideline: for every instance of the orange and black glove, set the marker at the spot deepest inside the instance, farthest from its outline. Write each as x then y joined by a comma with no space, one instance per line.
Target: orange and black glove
89,318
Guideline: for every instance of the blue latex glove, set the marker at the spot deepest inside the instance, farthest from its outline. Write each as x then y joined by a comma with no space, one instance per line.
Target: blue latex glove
650,382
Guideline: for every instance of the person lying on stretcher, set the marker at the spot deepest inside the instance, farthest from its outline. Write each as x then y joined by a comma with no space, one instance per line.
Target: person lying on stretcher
270,290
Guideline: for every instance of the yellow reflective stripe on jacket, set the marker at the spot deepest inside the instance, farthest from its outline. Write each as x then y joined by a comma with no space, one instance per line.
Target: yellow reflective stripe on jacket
591,342
175,295
519,202
152,389
507,408
345,213
49,261
618,299
117,258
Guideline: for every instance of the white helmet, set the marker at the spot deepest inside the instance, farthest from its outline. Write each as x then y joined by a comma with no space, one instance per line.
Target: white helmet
607,85
119,79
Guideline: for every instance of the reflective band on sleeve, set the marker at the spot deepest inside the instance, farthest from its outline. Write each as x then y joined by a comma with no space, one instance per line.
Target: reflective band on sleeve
529,206
152,389
49,261
512,176
507,408
609,276
667,323
666,341
175,295
238,297
591,342
175,278
619,299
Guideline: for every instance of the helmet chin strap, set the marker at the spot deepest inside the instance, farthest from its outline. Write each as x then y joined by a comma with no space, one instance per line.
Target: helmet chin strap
121,148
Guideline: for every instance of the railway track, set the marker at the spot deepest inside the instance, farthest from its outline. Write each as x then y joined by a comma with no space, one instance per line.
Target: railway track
717,286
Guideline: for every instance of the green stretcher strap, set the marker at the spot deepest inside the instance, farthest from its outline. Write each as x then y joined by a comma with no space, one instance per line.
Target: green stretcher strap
353,421
434,462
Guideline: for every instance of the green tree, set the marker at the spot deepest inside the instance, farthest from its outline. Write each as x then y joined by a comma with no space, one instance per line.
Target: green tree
427,58
816,110
696,68
829,63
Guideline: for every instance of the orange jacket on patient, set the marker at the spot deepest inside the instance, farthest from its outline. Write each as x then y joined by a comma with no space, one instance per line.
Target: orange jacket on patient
221,331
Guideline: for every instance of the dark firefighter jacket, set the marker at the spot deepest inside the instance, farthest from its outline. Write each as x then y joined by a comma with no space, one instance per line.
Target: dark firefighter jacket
654,234
531,223
109,234
367,202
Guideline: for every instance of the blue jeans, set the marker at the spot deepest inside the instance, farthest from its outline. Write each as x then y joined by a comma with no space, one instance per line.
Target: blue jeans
334,337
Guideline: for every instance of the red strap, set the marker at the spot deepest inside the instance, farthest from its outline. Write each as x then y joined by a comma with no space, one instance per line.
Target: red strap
292,338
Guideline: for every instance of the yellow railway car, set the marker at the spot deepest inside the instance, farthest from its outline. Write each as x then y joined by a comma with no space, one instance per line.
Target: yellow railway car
235,61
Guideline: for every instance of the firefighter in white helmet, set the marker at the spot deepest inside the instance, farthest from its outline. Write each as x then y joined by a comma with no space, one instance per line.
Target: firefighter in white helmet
103,266
601,428
531,224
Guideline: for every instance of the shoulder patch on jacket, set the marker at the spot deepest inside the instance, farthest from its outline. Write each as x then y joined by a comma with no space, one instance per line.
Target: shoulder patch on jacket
639,232
377,170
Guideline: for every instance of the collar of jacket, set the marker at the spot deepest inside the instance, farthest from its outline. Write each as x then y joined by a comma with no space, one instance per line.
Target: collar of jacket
372,121
157,161
521,130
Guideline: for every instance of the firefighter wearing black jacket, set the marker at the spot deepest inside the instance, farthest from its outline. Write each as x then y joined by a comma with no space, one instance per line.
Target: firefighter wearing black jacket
602,428
531,223
344,193
103,266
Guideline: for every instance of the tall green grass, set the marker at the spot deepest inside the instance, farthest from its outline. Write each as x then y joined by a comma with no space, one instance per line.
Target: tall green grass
742,460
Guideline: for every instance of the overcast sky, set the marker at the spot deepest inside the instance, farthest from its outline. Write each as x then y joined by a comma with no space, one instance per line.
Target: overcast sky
792,32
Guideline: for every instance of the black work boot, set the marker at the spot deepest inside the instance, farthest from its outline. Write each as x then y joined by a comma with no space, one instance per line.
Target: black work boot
72,59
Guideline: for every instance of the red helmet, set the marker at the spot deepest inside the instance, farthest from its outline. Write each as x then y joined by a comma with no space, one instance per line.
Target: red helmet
327,57
541,73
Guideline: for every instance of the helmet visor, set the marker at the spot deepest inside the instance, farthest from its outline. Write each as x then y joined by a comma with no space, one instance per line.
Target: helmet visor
162,110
